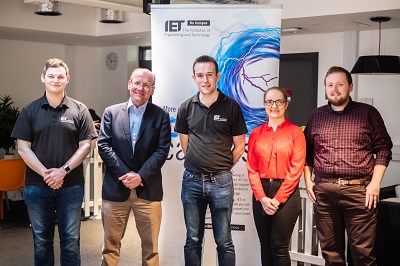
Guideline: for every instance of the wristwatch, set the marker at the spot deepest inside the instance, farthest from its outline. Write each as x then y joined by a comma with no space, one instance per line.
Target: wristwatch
66,168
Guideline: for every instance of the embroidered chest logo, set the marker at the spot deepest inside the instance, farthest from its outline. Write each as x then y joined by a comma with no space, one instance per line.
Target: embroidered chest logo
66,120
220,119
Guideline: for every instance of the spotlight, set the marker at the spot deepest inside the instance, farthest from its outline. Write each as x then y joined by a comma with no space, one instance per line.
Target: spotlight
111,16
50,9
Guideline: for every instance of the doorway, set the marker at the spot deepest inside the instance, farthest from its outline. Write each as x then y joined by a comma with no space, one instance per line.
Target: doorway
299,74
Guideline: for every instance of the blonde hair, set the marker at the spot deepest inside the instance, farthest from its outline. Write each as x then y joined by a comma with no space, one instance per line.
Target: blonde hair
55,62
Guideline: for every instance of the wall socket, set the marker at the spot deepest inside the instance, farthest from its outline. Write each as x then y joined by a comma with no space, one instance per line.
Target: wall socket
369,101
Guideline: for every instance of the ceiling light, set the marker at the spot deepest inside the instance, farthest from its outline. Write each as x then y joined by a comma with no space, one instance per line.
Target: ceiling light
111,16
377,64
292,30
52,8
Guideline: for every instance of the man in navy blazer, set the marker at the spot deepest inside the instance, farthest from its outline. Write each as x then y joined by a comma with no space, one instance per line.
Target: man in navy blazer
134,142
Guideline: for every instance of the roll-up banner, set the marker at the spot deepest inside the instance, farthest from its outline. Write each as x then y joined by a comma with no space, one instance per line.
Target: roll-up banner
245,41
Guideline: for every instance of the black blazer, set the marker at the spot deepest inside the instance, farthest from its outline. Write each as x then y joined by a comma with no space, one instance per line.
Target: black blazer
151,151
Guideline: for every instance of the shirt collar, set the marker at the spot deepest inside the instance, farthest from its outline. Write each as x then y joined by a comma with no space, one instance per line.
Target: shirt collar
283,125
347,107
140,108
221,97
45,103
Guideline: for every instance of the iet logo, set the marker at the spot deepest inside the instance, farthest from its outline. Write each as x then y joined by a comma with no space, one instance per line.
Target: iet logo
173,25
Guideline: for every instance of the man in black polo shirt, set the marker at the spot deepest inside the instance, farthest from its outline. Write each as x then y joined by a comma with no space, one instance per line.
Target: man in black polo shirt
212,132
54,135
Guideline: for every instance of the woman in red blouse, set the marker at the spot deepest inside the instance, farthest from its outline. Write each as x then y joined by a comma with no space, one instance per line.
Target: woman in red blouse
275,161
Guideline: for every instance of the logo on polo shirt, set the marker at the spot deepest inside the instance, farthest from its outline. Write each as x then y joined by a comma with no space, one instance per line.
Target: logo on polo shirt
218,118
66,120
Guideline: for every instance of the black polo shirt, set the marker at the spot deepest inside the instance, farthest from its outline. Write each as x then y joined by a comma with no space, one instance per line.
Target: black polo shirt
54,134
210,132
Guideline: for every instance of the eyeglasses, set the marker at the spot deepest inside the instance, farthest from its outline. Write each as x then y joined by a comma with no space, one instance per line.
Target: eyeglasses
137,85
279,102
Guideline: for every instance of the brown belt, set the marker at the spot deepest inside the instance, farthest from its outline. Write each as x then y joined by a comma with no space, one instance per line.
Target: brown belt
345,181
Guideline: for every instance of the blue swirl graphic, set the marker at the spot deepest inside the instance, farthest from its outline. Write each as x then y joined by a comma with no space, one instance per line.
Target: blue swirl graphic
172,121
239,50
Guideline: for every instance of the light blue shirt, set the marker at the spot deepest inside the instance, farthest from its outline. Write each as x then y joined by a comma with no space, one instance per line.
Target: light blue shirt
135,119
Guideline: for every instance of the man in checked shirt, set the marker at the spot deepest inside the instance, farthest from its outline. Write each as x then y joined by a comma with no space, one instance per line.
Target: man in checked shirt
342,138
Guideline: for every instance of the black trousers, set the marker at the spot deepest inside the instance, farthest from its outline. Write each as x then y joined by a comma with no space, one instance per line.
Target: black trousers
275,231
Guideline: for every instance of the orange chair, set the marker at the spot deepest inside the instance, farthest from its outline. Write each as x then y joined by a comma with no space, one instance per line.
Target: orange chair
12,177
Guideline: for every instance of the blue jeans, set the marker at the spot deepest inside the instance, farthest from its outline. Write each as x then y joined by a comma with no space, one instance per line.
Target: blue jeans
216,191
43,203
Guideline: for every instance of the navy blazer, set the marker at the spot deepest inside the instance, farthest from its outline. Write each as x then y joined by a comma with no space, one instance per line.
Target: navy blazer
151,151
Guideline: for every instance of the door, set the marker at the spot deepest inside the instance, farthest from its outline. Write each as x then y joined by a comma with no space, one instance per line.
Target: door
298,73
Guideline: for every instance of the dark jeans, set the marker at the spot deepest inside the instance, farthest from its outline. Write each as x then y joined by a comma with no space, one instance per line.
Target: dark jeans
275,231
339,208
42,203
197,193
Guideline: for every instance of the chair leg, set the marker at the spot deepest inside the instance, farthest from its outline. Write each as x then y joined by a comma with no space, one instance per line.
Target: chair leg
7,201
1,206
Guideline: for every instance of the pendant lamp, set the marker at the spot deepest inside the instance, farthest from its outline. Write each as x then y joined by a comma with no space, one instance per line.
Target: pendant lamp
377,64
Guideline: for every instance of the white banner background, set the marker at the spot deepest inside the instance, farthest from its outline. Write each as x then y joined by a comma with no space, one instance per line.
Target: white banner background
245,40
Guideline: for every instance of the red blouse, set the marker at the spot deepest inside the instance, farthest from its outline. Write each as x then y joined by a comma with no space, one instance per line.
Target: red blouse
276,154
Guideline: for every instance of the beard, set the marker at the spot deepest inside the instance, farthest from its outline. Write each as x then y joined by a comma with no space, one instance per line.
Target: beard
338,100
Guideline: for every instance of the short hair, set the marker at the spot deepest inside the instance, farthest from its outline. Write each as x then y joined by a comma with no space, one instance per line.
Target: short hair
337,69
55,62
205,59
284,92
147,70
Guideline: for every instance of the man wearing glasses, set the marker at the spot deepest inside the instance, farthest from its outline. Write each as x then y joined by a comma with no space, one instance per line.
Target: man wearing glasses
134,142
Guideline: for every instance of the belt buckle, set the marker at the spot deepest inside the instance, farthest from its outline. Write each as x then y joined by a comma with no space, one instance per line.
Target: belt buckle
342,181
207,175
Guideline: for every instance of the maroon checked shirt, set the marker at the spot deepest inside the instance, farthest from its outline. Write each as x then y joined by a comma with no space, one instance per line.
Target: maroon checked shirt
347,144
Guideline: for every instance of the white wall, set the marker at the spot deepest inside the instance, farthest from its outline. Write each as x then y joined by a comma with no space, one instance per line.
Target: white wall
113,87
384,89
21,64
